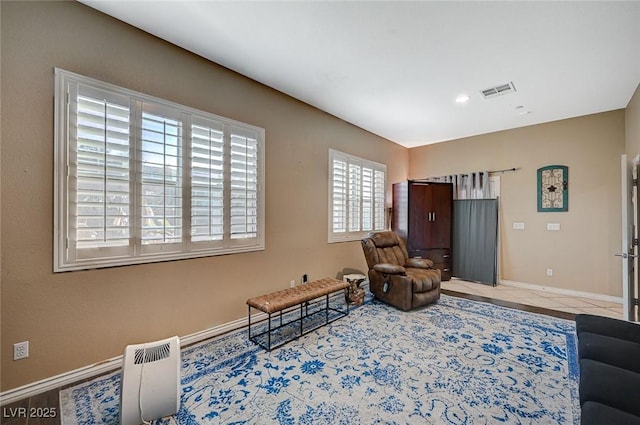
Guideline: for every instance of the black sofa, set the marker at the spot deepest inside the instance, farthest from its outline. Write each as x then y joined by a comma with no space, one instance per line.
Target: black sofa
609,355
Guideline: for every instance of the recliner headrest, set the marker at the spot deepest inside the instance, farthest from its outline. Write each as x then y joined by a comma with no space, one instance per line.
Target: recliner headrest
384,239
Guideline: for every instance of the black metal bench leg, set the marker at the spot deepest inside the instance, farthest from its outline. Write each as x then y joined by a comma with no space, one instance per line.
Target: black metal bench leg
250,323
326,309
269,335
301,318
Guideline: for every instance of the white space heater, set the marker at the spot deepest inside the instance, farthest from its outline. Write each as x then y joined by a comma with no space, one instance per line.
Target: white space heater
150,381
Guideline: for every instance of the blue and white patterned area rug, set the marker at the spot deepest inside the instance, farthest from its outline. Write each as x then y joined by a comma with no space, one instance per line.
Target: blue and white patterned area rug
454,362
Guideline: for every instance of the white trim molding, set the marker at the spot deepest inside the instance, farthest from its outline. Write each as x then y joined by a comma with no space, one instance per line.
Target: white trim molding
570,292
112,364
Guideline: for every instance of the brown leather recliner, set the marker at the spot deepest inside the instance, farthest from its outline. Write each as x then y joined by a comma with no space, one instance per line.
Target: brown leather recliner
403,282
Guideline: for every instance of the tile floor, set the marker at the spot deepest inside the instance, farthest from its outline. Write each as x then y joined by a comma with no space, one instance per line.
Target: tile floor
544,299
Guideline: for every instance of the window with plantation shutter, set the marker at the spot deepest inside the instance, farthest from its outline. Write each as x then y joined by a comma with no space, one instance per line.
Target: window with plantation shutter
356,197
139,179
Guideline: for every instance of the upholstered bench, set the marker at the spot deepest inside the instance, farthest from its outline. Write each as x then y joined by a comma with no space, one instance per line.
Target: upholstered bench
308,300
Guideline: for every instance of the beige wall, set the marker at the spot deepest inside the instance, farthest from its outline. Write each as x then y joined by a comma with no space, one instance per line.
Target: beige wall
632,125
581,254
78,318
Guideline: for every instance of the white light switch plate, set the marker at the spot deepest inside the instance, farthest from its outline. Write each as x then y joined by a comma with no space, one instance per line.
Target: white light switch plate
553,226
518,226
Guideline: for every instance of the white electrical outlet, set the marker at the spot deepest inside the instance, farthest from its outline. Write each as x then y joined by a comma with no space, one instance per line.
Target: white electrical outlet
20,350
549,272
292,284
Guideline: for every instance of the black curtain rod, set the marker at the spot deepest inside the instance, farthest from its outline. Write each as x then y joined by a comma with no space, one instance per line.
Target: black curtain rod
506,170
503,171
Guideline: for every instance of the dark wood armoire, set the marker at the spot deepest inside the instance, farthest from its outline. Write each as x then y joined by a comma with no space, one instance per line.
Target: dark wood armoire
422,217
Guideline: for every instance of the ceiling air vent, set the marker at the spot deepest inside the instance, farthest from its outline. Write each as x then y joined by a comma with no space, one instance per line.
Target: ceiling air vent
498,90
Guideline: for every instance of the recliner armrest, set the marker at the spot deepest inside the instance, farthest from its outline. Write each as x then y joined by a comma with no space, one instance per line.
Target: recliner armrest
419,263
387,268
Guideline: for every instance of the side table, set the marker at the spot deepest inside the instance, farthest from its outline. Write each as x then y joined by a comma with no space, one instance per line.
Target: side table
354,294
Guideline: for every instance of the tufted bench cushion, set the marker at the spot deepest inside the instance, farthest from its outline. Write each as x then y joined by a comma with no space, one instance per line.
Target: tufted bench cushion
279,300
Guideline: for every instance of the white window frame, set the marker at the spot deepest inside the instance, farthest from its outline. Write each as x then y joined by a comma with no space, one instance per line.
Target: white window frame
348,204
241,177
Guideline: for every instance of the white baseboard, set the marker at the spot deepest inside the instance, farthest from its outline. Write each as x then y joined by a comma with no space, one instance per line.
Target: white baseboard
112,364
570,292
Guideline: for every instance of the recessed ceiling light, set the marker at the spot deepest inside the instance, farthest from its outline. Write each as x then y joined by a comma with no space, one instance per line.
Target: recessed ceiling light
463,98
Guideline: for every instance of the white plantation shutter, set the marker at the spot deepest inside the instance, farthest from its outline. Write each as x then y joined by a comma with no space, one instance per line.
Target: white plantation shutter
367,199
244,184
139,179
379,180
356,196
338,201
99,209
160,170
207,181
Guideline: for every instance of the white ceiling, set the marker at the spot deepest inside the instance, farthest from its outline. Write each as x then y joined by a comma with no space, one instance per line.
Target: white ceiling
395,68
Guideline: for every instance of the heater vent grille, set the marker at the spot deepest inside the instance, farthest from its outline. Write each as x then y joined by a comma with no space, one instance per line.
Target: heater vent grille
498,90
152,354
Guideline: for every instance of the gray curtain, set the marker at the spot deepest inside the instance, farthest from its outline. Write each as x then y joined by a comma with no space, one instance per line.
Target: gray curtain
475,240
